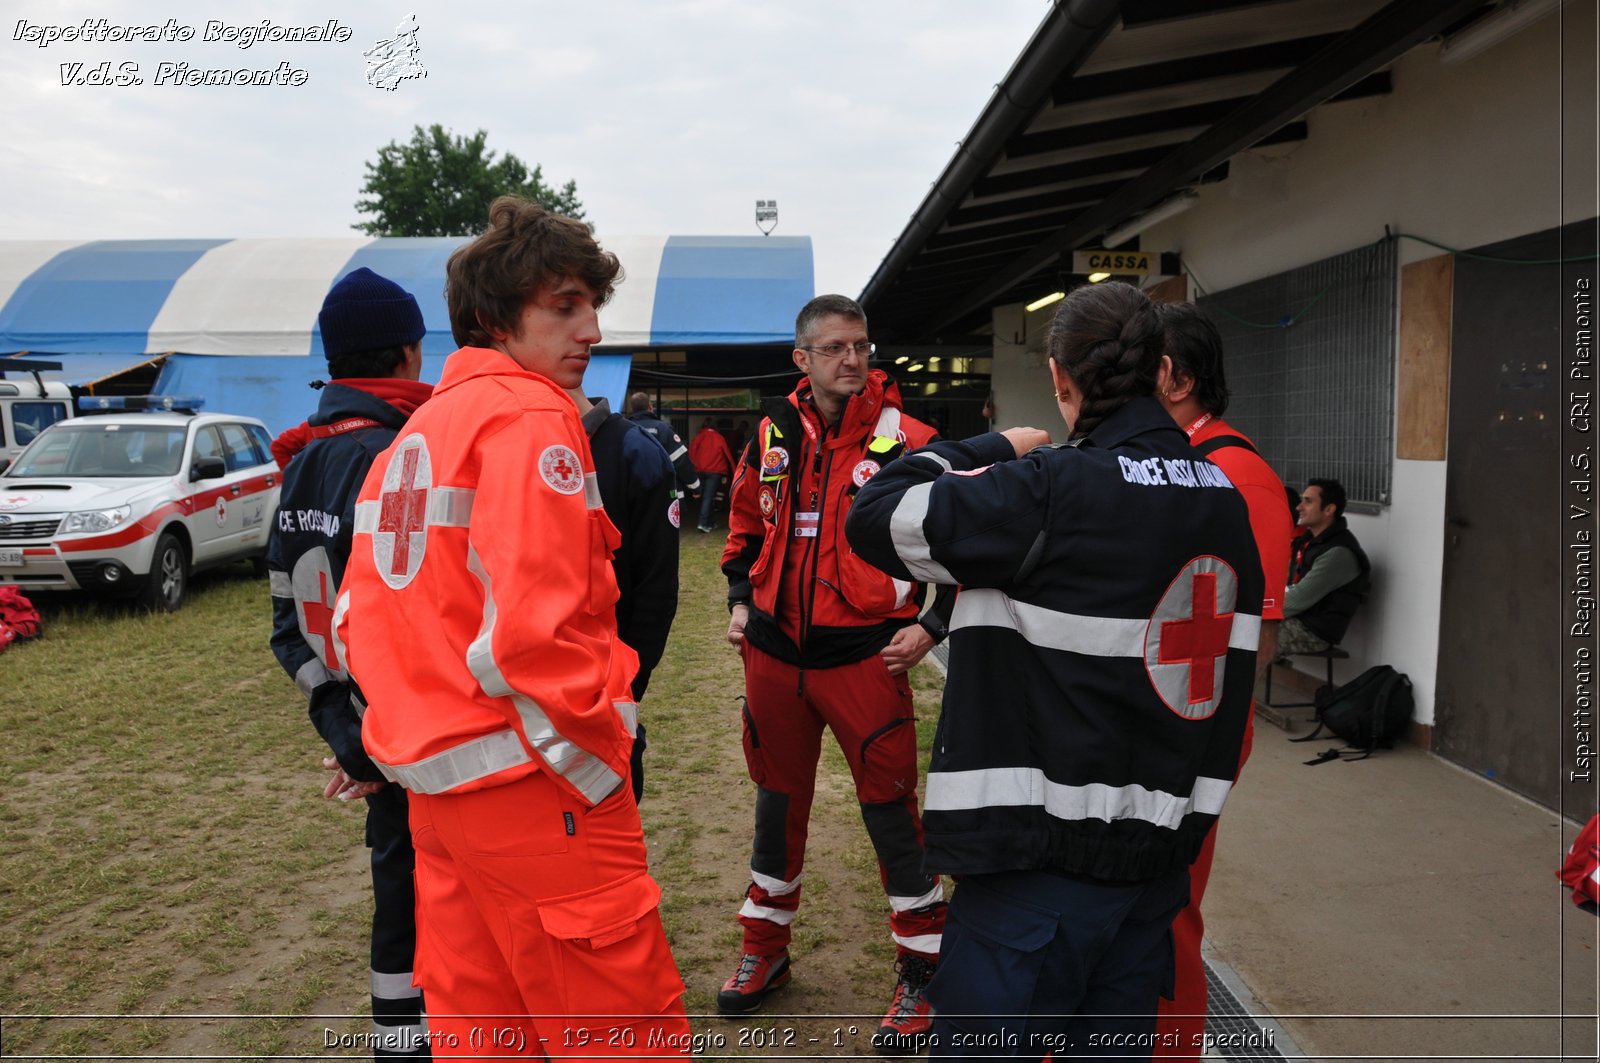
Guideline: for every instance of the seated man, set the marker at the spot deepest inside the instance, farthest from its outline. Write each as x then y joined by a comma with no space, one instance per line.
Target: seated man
1329,577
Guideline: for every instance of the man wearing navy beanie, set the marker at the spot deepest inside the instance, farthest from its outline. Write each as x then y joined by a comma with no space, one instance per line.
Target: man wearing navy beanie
372,334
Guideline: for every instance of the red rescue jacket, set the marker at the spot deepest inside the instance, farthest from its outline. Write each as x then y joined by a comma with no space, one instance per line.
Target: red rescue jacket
710,453
813,601
476,611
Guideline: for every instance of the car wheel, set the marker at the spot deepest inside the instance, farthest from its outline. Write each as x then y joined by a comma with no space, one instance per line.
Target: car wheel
169,576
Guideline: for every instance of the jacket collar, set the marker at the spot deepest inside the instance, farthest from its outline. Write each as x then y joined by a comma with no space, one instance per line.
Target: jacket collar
596,415
1134,418
861,412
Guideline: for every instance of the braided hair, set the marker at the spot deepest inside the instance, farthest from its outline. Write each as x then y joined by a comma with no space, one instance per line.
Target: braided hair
1107,338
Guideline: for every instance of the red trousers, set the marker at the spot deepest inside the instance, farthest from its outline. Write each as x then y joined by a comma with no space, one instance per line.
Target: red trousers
538,932
1185,1014
870,714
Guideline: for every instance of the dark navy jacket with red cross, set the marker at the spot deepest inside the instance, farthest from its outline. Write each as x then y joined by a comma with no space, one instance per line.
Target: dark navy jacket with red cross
306,555
1102,650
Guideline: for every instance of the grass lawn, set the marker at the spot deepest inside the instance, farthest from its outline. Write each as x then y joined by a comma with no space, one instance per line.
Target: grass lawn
171,880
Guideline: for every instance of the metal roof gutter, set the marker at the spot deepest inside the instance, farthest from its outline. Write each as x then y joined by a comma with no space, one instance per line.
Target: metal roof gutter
1069,33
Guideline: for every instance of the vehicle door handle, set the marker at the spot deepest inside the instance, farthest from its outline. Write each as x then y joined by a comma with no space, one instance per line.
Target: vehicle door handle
271,479
235,489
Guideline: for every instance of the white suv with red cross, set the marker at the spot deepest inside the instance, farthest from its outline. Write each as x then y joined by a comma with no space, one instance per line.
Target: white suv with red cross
131,503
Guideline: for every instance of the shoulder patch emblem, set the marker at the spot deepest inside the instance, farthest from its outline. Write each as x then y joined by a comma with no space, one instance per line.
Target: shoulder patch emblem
675,513
864,471
775,461
401,538
768,501
560,468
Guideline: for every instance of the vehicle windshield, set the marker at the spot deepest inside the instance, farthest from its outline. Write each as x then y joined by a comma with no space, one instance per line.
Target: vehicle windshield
86,449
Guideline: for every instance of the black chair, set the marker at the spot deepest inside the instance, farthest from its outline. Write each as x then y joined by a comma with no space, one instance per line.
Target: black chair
1331,654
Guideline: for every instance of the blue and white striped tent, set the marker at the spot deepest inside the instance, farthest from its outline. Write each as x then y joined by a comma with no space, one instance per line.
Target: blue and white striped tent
238,318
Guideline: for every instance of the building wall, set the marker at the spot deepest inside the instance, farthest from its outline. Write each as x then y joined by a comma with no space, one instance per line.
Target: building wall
1467,154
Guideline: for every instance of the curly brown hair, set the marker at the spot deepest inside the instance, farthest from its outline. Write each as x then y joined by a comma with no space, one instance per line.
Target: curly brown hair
489,281
1107,338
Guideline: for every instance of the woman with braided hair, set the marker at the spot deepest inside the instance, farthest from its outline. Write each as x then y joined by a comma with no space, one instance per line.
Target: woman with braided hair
1102,652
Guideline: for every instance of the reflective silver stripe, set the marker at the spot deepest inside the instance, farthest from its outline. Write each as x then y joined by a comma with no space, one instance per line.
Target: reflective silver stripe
357,703
906,904
888,424
591,491
1246,634
410,1038
450,507
1098,636
279,583
629,711
905,531
752,910
389,986
587,773
954,791
928,943
459,765
776,887
936,459
676,454
341,607
312,675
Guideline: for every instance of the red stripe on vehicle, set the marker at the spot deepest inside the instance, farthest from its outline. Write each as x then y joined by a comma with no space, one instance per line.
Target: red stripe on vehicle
153,522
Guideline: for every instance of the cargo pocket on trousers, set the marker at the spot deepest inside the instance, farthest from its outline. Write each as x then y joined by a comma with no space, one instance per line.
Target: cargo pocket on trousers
989,962
611,949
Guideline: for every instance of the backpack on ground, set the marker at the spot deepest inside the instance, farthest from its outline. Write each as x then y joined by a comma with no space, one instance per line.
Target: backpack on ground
18,618
1371,710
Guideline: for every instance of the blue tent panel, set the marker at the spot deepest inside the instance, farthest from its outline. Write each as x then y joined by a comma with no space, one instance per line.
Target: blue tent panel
608,377
97,298
276,388
731,289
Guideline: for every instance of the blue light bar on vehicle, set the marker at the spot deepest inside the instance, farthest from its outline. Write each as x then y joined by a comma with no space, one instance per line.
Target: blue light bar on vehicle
163,403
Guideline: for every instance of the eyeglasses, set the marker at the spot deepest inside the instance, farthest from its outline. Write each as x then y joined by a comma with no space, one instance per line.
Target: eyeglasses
838,350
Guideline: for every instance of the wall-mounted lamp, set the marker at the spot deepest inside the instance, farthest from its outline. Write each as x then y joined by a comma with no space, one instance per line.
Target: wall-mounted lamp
1170,208
1039,304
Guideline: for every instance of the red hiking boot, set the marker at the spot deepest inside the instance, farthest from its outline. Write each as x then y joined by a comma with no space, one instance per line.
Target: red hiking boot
752,980
905,1030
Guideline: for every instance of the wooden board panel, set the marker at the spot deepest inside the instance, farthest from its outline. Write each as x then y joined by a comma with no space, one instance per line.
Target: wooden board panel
1424,387
1171,290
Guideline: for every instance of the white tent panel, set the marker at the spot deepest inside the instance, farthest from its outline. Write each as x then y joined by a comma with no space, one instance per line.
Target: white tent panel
251,297
626,320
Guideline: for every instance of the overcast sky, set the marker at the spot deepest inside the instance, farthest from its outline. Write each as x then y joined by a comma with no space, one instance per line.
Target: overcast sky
673,117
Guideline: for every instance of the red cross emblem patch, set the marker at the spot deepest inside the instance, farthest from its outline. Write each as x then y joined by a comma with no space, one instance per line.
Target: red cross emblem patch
1186,644
314,598
560,468
401,538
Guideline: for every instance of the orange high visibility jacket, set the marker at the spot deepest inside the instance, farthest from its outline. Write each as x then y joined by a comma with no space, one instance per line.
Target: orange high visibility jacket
477,606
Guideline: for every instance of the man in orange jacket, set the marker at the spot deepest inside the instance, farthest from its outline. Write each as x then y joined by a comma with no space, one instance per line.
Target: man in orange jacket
477,615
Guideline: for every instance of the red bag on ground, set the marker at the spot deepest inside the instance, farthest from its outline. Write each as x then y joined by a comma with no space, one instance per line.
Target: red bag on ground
1580,872
18,618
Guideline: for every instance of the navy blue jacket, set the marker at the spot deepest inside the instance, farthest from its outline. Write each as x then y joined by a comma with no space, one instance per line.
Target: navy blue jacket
673,444
635,479
1102,649
306,555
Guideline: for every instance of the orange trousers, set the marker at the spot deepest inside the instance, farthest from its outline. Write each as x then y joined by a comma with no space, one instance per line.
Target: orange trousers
1185,1014
538,931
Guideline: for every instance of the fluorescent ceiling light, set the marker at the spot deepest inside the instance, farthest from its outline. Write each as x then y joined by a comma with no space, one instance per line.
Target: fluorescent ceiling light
902,360
1506,21
1160,212
1096,278
1039,304
914,367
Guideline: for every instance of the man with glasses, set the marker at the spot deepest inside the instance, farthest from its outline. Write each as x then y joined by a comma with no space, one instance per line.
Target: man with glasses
827,640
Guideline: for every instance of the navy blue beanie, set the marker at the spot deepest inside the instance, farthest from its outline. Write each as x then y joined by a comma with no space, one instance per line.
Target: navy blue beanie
366,312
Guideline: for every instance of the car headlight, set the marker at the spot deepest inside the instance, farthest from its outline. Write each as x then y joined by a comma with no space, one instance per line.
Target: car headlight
95,520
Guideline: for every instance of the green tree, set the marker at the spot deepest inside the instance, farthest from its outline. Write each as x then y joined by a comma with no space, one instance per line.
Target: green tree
441,184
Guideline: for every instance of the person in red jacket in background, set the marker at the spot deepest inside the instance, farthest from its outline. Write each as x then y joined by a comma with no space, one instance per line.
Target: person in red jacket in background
713,460
477,614
1197,397
827,640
